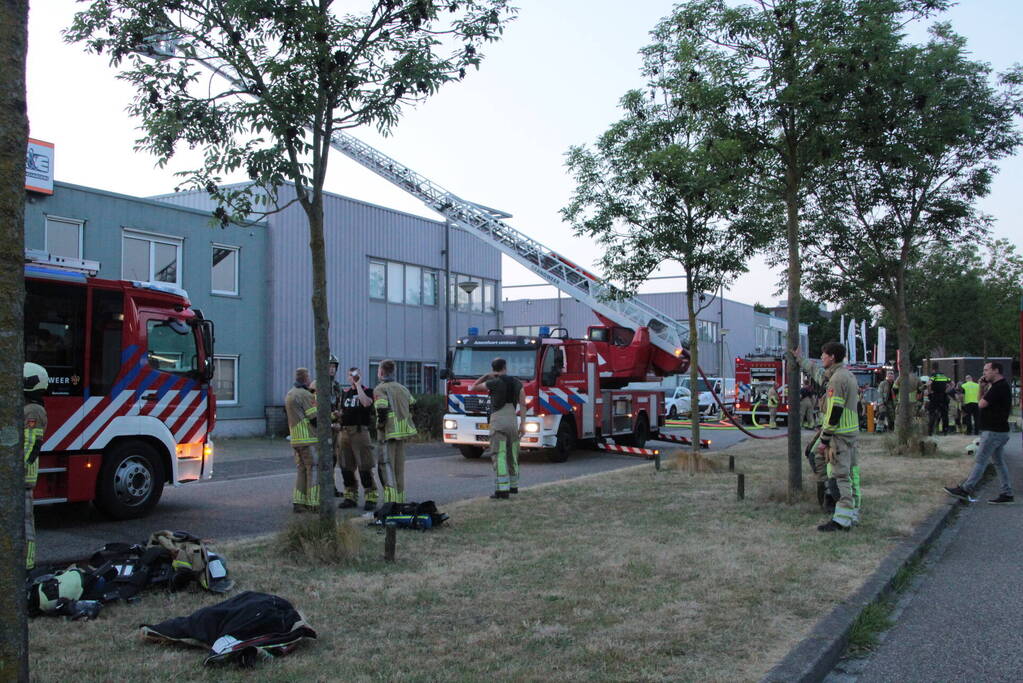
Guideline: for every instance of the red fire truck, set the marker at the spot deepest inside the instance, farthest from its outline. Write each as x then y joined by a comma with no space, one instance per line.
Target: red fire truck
130,406
754,377
574,388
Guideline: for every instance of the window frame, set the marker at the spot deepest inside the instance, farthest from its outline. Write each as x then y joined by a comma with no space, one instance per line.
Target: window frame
47,218
153,239
369,280
236,359
237,269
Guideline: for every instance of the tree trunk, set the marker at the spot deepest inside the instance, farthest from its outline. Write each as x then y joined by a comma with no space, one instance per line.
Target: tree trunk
795,450
321,340
903,414
13,144
694,374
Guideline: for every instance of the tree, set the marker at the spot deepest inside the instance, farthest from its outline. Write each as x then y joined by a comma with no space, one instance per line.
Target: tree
297,72
13,144
792,66
659,186
926,127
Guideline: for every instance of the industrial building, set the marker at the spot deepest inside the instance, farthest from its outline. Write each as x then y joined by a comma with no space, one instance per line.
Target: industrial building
726,329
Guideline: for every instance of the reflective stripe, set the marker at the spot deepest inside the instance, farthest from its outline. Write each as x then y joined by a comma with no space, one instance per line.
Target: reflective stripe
33,440
844,516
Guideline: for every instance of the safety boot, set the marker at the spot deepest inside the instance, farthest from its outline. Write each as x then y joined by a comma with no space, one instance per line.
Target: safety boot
831,525
501,495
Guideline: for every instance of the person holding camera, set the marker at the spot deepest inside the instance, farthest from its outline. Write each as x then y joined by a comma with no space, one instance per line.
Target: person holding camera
356,448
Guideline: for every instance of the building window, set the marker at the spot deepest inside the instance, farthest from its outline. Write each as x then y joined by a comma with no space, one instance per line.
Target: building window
488,296
225,380
707,330
377,280
225,269
395,283
417,376
413,285
151,258
64,237
429,288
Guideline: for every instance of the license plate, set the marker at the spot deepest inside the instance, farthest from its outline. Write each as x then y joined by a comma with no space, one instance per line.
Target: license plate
482,425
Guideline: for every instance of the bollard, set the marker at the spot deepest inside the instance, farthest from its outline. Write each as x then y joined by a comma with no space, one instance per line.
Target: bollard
740,486
657,461
870,417
389,541
731,463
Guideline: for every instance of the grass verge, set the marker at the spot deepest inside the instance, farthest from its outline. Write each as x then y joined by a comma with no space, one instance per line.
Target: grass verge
635,574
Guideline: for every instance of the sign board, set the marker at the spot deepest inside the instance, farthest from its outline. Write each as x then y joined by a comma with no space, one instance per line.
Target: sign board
39,166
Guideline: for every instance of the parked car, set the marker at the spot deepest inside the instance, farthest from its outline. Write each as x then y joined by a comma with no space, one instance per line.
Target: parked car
677,403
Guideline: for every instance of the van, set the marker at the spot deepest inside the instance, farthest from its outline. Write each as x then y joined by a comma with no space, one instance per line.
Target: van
677,403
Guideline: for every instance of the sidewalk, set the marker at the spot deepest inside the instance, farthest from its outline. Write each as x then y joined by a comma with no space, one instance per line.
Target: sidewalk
963,618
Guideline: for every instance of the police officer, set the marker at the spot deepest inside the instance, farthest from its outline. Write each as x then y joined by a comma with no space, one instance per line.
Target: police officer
937,410
393,405
300,406
507,398
35,381
836,454
971,402
356,449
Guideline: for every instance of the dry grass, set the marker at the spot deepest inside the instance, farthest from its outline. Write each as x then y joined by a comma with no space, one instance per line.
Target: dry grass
307,538
635,574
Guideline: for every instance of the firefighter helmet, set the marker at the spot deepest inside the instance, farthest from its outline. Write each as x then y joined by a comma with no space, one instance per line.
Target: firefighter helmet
333,360
34,377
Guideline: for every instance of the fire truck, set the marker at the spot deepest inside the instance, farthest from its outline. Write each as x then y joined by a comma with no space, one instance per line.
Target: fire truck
575,388
130,407
754,377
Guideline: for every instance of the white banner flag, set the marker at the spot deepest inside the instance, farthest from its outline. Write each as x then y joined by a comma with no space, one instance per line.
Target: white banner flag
841,331
850,339
882,340
863,335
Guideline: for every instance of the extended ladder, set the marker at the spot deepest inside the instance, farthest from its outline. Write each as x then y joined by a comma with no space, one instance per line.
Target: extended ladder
606,300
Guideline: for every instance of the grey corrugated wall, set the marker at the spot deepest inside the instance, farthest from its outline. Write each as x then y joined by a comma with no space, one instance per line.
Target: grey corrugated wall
361,329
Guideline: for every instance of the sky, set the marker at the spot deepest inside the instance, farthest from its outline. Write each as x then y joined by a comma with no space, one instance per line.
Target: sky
498,138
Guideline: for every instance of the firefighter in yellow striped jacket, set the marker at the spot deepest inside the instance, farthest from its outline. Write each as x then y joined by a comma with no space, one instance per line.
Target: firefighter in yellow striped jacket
300,405
393,404
35,382
836,453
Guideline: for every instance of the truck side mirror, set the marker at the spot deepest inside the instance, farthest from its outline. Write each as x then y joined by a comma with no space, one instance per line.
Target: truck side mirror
445,373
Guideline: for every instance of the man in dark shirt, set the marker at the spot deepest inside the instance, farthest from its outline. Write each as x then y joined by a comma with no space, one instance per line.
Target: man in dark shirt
356,447
994,434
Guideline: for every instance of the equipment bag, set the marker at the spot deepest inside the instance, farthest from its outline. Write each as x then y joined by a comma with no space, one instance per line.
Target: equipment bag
421,516
191,558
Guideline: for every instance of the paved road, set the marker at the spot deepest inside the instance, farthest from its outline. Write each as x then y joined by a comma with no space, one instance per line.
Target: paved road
961,620
251,493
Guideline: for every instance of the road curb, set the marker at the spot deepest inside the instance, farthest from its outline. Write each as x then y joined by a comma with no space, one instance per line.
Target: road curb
817,654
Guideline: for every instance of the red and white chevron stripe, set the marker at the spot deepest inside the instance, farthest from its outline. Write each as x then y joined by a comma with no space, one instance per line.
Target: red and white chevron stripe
630,450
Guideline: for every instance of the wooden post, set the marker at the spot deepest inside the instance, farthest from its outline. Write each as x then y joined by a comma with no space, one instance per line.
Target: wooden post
740,486
389,542
731,463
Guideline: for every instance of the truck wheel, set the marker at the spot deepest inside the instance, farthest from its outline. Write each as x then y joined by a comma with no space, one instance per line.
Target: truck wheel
673,413
471,452
639,437
565,443
130,481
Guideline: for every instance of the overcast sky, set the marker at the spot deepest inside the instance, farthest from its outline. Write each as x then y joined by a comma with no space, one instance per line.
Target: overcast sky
498,138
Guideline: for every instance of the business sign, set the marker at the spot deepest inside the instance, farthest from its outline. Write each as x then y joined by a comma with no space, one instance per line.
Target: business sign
39,166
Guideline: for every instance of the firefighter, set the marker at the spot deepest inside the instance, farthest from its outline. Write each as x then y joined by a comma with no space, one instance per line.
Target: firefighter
836,454
806,416
335,413
772,406
34,385
393,405
507,398
300,405
356,450
887,391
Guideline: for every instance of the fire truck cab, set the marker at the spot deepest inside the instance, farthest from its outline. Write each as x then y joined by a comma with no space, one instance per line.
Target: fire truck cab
574,389
129,406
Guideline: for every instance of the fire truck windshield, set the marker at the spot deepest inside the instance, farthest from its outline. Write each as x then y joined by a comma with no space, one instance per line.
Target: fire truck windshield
172,347
474,361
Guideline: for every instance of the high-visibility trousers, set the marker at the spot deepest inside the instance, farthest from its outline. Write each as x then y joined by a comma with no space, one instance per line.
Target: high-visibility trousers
504,450
841,464
30,530
307,491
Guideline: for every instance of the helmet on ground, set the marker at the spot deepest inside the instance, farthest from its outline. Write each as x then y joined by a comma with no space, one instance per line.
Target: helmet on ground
35,377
